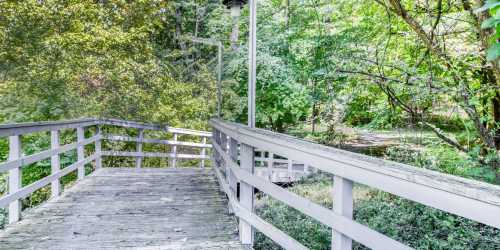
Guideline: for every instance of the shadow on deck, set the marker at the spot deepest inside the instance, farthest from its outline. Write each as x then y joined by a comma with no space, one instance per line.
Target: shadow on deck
128,208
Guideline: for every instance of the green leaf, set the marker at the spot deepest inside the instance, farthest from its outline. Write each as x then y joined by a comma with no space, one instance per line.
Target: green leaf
493,52
489,5
490,23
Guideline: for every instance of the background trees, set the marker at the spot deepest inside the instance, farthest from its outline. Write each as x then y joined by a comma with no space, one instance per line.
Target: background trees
381,64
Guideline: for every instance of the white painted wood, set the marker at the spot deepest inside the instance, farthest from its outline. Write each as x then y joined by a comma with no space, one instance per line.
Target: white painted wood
139,125
80,134
290,167
29,159
343,204
266,228
215,141
270,165
224,146
138,160
203,152
352,229
153,155
184,131
246,192
263,159
55,185
98,149
28,190
233,153
15,180
467,198
31,127
25,128
157,141
174,152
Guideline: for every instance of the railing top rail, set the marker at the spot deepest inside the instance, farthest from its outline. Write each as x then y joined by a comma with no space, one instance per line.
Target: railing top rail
31,127
346,164
152,126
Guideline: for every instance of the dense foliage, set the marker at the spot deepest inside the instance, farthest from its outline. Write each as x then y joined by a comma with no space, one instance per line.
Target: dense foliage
67,59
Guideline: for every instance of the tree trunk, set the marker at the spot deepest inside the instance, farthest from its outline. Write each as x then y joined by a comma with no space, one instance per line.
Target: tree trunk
178,28
496,118
313,117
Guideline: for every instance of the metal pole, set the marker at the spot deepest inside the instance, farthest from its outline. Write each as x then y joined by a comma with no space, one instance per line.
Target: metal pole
219,80
252,63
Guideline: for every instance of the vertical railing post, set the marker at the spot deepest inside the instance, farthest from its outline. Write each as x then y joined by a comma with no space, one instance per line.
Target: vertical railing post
290,168
270,164
174,152
247,163
307,170
55,163
216,139
343,205
138,146
15,175
80,135
223,145
98,161
233,152
203,152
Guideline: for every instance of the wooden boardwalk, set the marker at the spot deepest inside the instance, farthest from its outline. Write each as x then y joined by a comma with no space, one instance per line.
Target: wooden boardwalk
127,208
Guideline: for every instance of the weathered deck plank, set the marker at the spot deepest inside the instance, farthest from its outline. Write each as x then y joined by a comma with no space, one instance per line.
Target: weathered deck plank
126,208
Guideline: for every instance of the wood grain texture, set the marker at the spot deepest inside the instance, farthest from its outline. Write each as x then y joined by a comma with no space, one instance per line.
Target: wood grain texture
128,208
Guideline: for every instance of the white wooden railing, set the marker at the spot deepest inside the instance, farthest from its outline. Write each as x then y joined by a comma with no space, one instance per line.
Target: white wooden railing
16,160
234,162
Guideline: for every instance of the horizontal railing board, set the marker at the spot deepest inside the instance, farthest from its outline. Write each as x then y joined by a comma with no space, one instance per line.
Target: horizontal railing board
155,141
153,155
32,127
26,191
350,228
467,198
150,126
29,159
263,226
270,159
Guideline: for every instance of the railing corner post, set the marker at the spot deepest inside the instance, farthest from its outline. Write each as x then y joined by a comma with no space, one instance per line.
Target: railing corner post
15,178
247,194
343,204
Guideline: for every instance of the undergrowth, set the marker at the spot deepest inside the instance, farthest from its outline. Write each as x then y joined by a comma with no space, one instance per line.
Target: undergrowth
413,224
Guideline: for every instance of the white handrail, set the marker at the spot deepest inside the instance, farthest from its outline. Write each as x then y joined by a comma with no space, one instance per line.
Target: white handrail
467,198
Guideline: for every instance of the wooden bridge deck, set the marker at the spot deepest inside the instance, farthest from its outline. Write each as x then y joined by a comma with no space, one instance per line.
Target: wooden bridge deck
126,208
